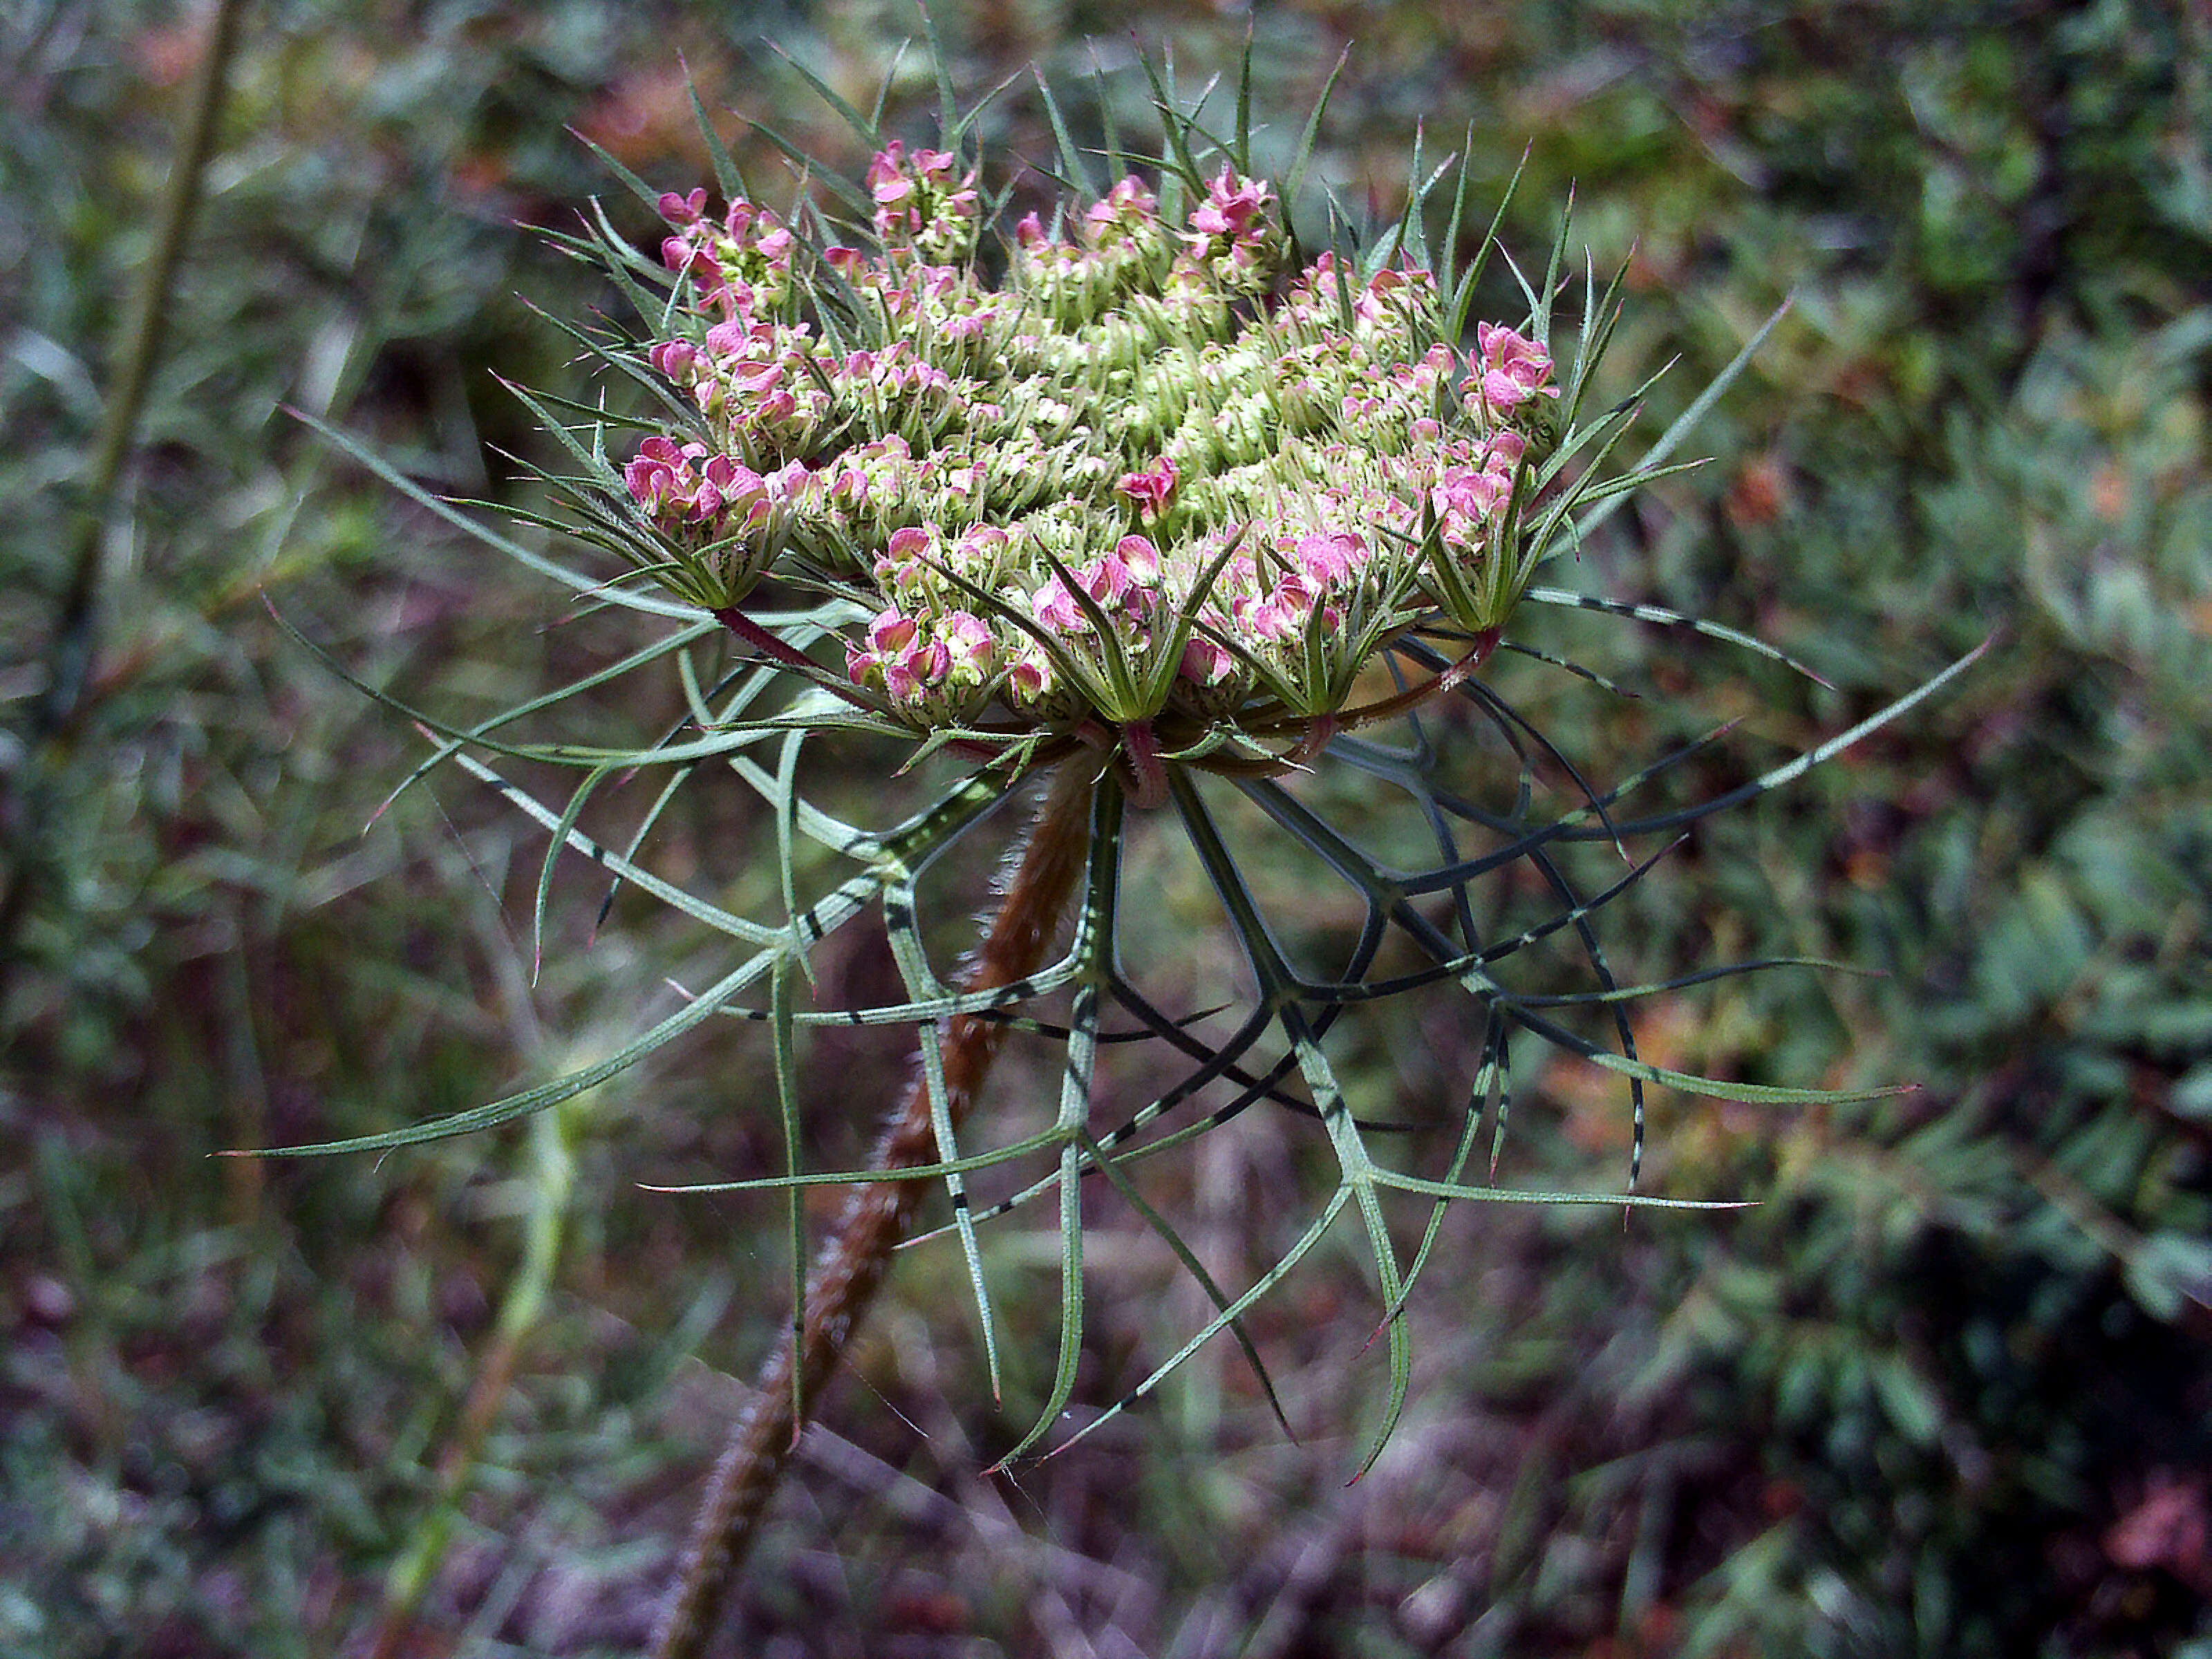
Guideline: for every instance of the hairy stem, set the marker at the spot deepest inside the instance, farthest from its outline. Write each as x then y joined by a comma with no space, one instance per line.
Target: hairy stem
853,1266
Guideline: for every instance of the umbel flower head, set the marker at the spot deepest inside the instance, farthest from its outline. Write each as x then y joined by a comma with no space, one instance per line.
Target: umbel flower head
1149,493
1138,472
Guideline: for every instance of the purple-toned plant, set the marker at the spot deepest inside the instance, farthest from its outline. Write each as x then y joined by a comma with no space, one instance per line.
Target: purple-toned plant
1150,507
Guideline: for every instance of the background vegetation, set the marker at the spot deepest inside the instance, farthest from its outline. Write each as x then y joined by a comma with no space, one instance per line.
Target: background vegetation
1945,1391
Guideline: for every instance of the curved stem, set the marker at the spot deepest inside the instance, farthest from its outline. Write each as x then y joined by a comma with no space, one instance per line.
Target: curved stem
853,1266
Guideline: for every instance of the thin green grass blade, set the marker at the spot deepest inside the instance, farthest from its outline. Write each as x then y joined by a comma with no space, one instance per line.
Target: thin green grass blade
843,189
527,1100
1072,166
1079,1067
866,132
948,97
1221,1321
641,658
636,186
1303,157
1673,438
786,786
1240,151
1110,129
729,179
559,839
1174,126
948,1149
1462,291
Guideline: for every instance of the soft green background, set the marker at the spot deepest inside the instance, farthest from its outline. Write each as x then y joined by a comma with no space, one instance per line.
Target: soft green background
1944,1392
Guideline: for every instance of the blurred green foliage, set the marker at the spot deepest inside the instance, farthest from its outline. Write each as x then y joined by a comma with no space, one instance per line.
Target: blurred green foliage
1944,1391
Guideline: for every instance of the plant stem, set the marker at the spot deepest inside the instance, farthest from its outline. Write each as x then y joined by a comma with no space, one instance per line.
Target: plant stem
853,1266
552,1183
775,650
70,652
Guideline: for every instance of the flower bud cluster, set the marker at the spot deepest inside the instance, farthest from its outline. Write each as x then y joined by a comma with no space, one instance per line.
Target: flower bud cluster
741,265
716,511
1152,472
935,669
1238,233
920,206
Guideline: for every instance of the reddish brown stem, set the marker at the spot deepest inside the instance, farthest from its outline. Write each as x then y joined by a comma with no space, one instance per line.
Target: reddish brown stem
1148,775
853,1266
776,650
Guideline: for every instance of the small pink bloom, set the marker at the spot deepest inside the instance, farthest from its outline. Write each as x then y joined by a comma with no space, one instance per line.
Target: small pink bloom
1152,488
1272,618
1127,208
1205,663
682,210
757,378
679,359
649,482
887,163
1465,493
679,253
967,639
1030,677
1053,606
1514,368
1140,559
892,631
1231,205
1330,558
1106,580
927,662
981,544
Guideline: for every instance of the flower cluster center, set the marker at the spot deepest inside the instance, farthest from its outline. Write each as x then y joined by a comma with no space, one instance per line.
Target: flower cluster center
1158,467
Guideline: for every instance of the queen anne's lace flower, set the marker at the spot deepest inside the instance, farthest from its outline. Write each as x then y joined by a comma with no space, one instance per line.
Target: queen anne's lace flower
1153,475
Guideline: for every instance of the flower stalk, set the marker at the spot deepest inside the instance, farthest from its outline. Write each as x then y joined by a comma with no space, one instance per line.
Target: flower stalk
877,1218
72,644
